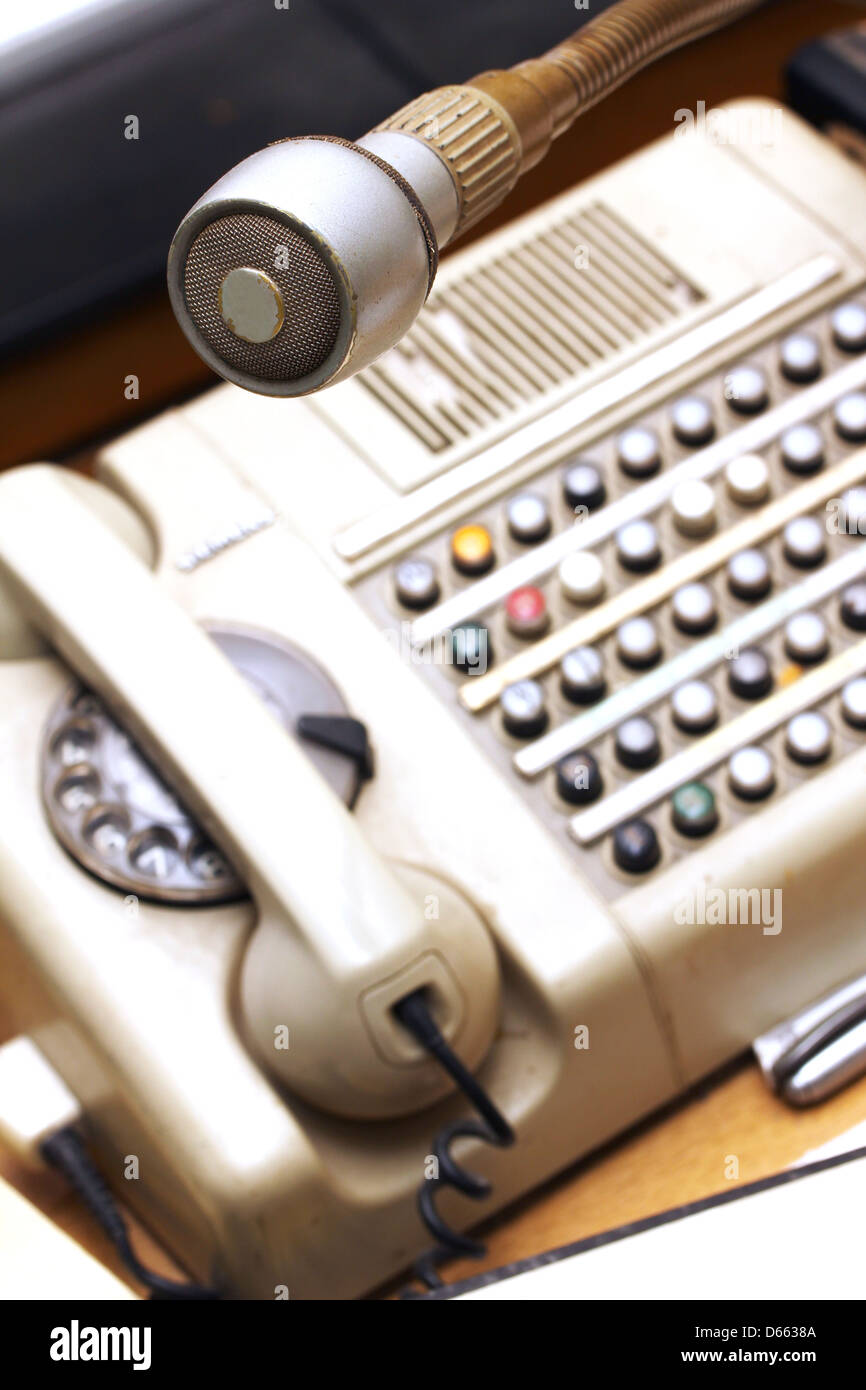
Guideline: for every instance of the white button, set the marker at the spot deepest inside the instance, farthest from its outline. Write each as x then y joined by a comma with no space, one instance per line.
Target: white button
694,608
747,479
638,642
800,357
528,517
808,738
581,674
802,449
692,420
582,577
806,637
749,574
750,773
849,327
694,507
637,545
637,743
804,541
850,416
854,702
852,513
638,452
746,389
694,706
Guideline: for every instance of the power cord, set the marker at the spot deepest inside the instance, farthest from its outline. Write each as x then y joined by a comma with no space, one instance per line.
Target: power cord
493,1128
66,1151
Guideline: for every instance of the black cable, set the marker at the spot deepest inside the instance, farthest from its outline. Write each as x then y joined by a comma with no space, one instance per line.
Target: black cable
414,1013
66,1151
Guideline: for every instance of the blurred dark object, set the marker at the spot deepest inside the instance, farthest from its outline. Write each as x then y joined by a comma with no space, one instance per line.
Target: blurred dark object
826,83
91,199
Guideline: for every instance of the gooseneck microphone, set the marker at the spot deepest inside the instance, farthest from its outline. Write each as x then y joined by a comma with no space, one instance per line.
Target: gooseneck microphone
311,258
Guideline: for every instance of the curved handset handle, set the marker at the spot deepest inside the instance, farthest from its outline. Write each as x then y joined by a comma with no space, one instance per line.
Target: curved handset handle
339,938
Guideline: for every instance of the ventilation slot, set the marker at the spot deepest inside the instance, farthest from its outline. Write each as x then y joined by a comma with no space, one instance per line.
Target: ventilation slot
519,328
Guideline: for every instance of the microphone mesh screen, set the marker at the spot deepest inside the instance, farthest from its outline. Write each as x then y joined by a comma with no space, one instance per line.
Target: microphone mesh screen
310,297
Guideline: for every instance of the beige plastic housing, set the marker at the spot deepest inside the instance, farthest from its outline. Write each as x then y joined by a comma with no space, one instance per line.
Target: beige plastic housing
141,1008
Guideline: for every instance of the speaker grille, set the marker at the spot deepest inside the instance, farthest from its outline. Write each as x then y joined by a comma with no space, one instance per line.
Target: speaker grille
312,304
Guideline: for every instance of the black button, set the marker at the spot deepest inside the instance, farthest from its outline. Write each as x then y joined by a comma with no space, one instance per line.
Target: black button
578,779
635,846
750,675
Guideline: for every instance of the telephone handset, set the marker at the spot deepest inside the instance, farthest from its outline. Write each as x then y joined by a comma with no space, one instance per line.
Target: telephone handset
339,938
672,715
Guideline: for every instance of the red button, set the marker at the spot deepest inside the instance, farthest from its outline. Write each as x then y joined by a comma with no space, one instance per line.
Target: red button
526,612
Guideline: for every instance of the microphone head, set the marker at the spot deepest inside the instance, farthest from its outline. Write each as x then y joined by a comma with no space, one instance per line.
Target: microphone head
301,265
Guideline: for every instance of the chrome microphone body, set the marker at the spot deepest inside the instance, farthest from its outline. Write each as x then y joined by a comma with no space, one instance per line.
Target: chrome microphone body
310,259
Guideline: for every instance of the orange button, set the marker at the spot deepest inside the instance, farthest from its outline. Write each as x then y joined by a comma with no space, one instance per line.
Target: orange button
472,549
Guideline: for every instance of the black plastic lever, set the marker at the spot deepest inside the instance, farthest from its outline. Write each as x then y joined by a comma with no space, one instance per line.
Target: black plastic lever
342,734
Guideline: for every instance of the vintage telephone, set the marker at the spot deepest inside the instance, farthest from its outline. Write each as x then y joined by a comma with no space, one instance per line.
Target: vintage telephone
473,680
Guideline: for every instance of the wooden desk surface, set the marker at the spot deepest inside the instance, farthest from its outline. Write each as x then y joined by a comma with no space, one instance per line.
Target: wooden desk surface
64,398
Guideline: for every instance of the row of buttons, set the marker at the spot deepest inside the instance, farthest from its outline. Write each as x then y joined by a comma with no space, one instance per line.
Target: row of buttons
693,705
693,608
544,589
693,509
750,771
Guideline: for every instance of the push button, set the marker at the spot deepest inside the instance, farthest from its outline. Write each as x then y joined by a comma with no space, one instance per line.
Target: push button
694,707
524,713
415,582
804,542
749,675
800,357
802,449
806,639
749,575
849,327
746,390
750,773
528,518
694,809
637,743
581,576
472,549
637,545
636,846
638,452
853,607
747,479
638,643
582,675
694,608
583,486
808,738
526,612
578,779
471,650
692,421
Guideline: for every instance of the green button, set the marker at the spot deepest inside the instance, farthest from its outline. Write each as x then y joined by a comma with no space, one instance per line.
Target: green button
694,809
471,651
